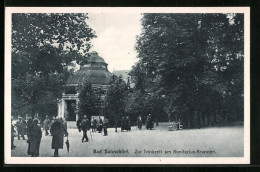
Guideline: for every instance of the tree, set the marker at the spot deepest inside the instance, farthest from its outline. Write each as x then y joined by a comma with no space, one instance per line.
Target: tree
88,101
194,62
116,97
44,46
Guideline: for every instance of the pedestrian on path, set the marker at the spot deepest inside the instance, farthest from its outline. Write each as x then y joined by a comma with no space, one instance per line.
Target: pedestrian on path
149,122
12,137
93,124
20,128
64,123
79,123
29,125
34,139
100,125
46,125
85,125
105,125
128,124
57,132
139,122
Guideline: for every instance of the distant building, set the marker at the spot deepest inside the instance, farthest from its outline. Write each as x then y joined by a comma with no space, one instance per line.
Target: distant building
96,73
125,76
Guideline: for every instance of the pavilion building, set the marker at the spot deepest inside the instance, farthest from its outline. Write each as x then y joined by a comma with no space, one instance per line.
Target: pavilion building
94,72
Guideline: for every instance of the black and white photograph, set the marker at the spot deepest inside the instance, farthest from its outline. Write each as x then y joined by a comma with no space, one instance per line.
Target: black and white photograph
101,85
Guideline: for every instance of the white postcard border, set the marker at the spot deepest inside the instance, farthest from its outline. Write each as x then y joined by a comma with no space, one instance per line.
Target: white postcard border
125,160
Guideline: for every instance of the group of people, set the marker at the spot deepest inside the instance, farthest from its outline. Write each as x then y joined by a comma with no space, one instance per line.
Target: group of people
84,124
57,127
125,124
58,130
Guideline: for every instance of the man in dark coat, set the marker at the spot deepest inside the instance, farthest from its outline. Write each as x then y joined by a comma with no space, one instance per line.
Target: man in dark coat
123,121
57,131
128,124
139,122
149,122
100,125
34,139
95,125
79,123
105,125
46,125
20,128
85,126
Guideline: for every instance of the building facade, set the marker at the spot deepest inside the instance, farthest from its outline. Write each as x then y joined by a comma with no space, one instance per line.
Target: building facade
94,72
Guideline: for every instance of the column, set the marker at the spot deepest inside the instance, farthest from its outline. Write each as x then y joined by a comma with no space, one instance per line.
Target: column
62,107
77,109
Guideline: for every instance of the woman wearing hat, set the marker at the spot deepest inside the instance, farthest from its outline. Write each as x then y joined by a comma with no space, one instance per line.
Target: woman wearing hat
57,131
34,135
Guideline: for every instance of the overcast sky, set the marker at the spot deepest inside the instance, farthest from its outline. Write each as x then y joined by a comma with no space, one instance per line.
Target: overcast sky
116,38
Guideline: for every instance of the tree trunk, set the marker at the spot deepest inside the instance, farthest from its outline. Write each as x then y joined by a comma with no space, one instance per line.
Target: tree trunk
156,120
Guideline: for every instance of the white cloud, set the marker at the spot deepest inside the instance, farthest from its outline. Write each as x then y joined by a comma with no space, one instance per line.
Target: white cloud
116,38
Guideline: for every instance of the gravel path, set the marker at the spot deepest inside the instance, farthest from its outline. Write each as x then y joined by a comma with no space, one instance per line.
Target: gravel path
207,142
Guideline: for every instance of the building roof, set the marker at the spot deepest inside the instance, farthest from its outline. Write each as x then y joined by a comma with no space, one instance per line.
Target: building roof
94,57
95,72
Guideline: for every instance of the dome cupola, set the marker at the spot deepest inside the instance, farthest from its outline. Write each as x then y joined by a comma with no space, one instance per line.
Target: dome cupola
94,71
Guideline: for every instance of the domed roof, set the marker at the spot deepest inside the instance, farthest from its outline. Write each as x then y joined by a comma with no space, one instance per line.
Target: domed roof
95,72
95,58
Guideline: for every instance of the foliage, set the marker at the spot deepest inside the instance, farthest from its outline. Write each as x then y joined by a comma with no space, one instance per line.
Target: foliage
44,46
191,66
115,100
88,101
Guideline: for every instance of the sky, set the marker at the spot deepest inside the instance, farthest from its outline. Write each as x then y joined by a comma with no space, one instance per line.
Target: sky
116,38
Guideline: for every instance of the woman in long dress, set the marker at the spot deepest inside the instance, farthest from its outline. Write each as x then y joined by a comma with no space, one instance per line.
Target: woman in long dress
57,131
35,135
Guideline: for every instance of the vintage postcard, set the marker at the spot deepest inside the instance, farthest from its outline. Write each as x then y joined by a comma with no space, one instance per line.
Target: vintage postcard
113,85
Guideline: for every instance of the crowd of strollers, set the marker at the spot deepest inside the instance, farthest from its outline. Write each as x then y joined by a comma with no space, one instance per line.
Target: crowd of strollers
57,127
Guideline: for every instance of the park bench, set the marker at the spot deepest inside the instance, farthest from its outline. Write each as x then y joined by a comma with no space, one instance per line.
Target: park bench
175,126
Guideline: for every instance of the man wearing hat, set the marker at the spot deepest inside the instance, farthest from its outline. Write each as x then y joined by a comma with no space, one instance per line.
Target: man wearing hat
85,126
20,128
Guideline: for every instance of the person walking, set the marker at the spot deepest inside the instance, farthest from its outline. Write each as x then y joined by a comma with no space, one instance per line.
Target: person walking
149,122
123,122
29,125
105,125
29,128
128,124
139,122
20,128
34,139
57,131
12,136
79,123
85,125
100,125
64,123
46,125
95,125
